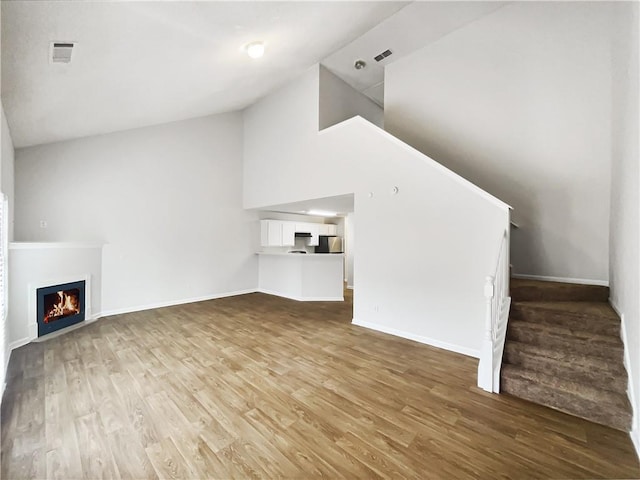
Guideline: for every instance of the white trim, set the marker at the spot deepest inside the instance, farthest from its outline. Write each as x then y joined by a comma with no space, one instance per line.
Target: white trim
97,316
470,352
631,392
635,438
545,278
431,162
42,245
300,299
18,343
139,308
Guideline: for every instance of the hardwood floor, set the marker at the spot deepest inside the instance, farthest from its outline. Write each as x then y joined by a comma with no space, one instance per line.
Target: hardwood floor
261,387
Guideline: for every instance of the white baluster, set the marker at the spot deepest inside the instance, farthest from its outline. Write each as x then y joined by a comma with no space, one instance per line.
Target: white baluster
485,366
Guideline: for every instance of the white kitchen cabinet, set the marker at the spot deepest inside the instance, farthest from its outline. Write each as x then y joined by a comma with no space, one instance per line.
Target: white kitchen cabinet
302,227
270,233
314,229
280,233
288,234
328,229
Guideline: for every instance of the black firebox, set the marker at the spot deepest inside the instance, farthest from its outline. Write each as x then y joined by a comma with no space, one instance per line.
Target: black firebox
60,306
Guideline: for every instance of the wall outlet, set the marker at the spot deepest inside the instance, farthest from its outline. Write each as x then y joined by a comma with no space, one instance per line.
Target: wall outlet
43,224
376,308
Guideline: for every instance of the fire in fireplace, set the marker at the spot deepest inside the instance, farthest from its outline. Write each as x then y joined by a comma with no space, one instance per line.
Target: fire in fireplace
60,306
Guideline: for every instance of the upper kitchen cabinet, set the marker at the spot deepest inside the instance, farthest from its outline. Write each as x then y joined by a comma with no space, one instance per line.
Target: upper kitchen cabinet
281,233
328,229
275,233
309,228
314,241
288,234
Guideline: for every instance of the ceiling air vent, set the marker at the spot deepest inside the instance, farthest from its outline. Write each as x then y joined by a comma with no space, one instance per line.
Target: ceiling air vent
383,55
61,52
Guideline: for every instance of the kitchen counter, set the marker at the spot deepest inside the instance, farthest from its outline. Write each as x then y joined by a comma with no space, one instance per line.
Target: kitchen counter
304,277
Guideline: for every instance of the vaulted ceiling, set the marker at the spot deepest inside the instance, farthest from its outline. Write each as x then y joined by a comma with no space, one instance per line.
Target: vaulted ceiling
142,63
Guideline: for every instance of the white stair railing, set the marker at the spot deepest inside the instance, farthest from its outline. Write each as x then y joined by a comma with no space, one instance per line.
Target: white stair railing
496,291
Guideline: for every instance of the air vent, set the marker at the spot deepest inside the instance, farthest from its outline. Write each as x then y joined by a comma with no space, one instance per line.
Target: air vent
61,52
383,55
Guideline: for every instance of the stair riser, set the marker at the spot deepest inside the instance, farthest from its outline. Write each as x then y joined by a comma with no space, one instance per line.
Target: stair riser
580,362
592,324
567,403
611,380
605,350
559,293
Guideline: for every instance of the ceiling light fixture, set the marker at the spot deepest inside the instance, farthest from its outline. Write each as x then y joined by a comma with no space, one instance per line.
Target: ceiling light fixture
255,49
321,213
360,64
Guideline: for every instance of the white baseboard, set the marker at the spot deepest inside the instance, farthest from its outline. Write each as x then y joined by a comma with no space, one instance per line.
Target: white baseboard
140,308
18,343
301,299
631,387
419,338
544,278
97,316
635,438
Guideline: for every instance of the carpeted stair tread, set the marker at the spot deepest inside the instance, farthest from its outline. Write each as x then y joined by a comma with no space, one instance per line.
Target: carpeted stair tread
536,290
572,366
571,397
568,339
563,350
595,317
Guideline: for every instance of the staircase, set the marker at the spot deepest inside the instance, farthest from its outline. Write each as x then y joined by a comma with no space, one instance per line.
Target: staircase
563,350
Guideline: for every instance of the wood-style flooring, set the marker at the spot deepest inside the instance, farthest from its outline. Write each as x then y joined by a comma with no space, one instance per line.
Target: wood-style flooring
256,386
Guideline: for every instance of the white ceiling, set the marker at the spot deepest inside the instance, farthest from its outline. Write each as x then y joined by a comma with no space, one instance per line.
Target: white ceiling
144,63
411,28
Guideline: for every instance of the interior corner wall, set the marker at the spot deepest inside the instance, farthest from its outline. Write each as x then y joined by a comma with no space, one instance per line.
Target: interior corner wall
7,171
519,103
339,101
349,241
280,129
625,185
165,200
7,187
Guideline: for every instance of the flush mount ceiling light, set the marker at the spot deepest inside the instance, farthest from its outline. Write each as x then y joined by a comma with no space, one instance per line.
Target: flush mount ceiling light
360,64
321,213
255,49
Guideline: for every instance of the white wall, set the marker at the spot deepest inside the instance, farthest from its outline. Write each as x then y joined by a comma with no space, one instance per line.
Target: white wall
349,254
625,201
432,293
519,103
166,200
6,186
280,131
7,170
339,101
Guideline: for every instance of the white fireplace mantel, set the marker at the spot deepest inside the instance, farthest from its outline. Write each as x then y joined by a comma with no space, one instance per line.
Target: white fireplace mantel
33,265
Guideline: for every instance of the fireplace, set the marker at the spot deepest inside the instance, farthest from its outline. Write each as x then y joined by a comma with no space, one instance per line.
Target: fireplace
59,306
